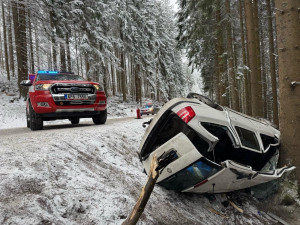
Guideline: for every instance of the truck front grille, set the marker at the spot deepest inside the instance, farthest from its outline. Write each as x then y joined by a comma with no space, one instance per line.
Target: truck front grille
72,88
61,92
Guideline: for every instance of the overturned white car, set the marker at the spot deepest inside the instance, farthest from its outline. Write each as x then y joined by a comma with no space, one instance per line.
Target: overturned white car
211,149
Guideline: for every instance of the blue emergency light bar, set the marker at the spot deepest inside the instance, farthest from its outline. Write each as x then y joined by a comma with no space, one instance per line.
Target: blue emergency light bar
47,72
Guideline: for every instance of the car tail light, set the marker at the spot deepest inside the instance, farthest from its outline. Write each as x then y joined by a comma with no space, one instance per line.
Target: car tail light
186,114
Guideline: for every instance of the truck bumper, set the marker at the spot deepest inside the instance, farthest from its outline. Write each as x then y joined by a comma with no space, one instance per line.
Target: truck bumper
67,109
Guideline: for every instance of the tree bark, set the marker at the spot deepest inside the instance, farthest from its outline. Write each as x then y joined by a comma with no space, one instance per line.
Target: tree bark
272,64
69,64
76,51
30,42
138,84
231,69
113,79
123,75
251,46
219,59
37,49
53,28
5,43
10,41
21,43
63,65
260,105
247,96
1,57
288,42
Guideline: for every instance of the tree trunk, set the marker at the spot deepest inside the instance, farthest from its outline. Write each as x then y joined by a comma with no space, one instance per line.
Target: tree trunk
30,42
37,49
1,57
246,99
251,46
272,65
54,54
69,68
113,79
219,60
123,75
10,42
23,71
87,67
63,64
5,43
18,9
288,42
232,79
138,84
258,59
76,51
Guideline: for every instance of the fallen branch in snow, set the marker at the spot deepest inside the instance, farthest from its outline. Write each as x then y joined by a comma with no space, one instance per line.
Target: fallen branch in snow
218,213
277,218
236,207
144,196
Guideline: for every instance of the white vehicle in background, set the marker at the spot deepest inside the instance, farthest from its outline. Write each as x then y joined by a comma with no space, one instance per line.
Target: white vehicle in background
211,149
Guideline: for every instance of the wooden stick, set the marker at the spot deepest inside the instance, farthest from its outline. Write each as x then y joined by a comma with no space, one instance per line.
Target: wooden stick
236,207
218,213
144,196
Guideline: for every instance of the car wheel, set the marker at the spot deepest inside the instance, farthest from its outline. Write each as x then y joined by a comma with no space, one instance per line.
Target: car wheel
100,119
36,121
27,119
75,121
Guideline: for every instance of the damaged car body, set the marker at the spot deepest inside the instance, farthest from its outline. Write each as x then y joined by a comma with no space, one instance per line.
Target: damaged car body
211,148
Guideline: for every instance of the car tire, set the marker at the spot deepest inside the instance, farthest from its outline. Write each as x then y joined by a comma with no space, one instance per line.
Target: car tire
75,120
36,121
27,119
100,119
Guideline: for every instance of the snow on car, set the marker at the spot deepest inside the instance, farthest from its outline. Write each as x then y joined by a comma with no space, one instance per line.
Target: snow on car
61,95
211,148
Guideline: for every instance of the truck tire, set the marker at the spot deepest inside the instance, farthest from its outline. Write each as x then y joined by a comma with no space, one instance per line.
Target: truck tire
100,119
27,119
75,120
36,121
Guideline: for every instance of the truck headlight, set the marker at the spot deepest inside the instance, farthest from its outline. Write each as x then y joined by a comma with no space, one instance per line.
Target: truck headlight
42,87
98,87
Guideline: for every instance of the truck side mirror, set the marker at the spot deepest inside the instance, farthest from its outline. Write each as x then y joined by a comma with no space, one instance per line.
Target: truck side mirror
26,83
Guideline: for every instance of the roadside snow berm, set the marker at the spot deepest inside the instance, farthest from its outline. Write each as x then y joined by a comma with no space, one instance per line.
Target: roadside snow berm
214,148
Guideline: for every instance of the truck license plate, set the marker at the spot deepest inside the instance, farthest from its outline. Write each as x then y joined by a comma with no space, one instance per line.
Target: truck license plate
76,96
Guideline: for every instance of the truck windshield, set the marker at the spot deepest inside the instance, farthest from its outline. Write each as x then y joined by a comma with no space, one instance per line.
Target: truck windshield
58,77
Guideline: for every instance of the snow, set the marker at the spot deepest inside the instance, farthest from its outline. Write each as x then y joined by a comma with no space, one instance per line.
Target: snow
88,174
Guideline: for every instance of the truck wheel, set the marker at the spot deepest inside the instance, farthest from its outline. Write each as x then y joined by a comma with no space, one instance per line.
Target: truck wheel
74,121
100,119
36,121
27,119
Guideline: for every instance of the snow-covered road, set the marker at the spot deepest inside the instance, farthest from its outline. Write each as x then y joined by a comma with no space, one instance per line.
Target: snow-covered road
59,127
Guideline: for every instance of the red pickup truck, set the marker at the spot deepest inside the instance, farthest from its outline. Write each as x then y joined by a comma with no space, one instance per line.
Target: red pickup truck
60,95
